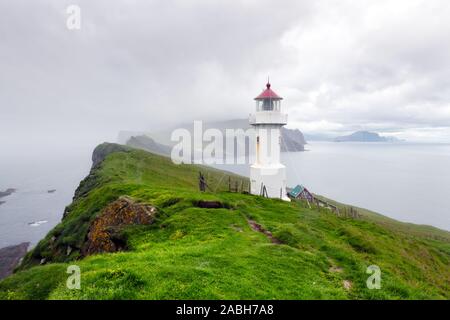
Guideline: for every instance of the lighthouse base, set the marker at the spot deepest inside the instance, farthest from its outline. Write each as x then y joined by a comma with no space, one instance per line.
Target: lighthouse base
272,177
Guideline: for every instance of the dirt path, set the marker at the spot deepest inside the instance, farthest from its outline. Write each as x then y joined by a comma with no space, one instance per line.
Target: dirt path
257,227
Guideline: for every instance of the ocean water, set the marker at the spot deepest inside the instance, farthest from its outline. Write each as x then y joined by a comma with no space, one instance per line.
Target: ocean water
408,182
29,213
405,181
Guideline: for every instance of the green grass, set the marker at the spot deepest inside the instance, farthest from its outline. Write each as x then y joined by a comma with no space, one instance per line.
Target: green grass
196,253
424,231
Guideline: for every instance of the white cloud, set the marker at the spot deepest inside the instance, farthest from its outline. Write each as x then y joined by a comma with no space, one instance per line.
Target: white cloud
381,65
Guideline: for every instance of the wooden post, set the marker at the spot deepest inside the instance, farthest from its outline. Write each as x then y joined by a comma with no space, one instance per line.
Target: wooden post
229,183
265,194
201,182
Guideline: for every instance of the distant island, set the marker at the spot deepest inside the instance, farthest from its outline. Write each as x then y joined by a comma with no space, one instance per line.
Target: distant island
159,142
7,192
365,136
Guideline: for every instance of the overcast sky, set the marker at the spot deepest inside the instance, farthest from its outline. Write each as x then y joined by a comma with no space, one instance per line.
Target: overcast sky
139,65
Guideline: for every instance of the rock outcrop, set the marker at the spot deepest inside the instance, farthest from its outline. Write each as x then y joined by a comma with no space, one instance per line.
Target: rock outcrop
292,140
105,231
10,258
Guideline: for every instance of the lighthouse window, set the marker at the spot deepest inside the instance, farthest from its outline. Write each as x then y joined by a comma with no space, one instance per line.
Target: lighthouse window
267,105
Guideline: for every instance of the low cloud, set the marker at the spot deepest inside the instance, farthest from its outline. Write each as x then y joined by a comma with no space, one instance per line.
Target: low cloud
134,65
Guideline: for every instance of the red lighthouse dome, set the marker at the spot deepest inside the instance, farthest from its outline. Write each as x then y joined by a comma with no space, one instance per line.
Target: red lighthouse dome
268,94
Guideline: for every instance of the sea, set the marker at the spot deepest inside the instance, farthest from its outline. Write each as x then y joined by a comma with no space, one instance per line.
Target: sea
45,183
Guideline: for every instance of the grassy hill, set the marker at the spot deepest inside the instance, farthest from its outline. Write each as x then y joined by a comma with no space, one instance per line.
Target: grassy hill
248,248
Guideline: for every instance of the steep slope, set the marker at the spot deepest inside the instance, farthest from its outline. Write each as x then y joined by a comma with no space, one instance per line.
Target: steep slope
221,245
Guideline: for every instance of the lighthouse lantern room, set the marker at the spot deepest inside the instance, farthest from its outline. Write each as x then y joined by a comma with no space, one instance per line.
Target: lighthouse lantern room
267,174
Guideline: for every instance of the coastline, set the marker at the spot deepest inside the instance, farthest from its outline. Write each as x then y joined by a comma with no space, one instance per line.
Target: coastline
10,258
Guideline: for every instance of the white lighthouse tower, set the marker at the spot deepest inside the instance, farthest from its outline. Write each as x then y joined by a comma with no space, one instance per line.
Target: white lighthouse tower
267,174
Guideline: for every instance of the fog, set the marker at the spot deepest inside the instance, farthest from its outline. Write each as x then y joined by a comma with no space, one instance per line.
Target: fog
135,65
